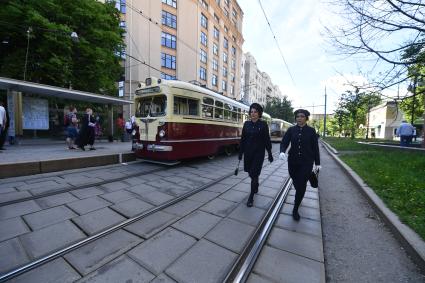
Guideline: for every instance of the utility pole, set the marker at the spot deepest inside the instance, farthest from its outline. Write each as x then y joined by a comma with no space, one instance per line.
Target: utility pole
368,118
415,81
324,117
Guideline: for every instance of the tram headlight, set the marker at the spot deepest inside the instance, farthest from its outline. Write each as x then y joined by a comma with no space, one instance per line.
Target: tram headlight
161,133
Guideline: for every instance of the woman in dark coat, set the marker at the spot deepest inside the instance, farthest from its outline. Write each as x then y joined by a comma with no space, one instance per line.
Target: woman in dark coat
303,152
255,141
86,134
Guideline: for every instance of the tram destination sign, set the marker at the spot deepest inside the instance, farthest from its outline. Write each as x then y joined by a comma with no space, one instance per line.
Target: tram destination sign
148,90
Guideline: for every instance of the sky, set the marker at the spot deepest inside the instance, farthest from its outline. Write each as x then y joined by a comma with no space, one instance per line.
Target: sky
299,29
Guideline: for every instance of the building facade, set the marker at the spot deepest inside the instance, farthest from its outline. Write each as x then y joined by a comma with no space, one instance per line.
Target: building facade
257,86
188,40
384,120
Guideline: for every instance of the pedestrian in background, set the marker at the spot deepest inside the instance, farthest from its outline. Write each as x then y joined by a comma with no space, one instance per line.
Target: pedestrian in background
71,124
120,123
303,153
3,134
3,122
405,132
255,141
86,134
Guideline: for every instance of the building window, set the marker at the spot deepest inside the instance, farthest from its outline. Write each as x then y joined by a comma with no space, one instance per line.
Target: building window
225,43
122,6
216,18
226,13
123,25
215,49
216,33
203,39
204,21
224,57
227,2
233,51
234,13
215,65
232,77
224,86
218,2
203,56
234,38
167,76
168,40
204,4
169,19
121,89
226,29
224,72
214,80
172,3
168,61
233,64
232,90
203,74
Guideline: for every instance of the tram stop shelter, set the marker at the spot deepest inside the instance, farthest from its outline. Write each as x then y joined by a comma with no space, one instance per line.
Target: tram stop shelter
37,108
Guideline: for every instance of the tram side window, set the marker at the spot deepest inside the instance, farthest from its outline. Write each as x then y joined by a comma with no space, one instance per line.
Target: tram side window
207,107
185,106
239,114
218,110
227,112
234,114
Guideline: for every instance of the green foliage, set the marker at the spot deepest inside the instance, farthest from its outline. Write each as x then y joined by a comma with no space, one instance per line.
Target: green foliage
352,110
281,109
53,57
395,175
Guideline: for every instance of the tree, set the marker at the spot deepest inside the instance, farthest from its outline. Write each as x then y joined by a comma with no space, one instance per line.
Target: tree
40,31
280,108
352,110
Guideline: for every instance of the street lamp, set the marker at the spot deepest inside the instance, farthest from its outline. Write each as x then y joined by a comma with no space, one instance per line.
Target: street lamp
29,30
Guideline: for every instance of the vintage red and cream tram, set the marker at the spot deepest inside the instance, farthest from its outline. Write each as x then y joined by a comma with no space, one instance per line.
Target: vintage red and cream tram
278,128
179,120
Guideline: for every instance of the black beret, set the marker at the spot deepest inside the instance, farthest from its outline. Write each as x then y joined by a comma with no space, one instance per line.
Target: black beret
303,111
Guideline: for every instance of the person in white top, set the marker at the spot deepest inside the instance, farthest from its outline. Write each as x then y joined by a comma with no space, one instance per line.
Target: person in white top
3,119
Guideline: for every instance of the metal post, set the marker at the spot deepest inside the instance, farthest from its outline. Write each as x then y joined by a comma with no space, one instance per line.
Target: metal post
29,30
414,99
368,118
324,117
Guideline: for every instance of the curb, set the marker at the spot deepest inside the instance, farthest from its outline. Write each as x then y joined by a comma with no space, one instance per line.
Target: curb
45,166
333,150
409,239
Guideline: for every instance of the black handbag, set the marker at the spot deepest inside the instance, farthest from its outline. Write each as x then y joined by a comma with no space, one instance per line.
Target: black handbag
314,178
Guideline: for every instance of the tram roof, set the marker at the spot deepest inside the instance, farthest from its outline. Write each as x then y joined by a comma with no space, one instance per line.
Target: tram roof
189,86
53,91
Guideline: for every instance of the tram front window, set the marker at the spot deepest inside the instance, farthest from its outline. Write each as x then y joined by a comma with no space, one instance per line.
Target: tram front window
153,106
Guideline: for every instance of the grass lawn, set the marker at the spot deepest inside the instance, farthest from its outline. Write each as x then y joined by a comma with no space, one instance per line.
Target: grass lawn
396,176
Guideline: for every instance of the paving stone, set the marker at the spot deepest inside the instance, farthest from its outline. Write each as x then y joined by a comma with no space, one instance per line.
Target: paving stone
249,215
93,255
272,184
9,185
183,208
56,200
218,188
231,234
159,183
156,198
305,212
50,238
282,266
204,262
162,278
55,271
118,196
197,224
219,207
255,278
141,189
45,184
49,189
81,180
204,196
57,179
175,191
89,204
242,187
159,252
132,207
229,181
313,203
12,255
98,220
87,192
234,195
5,197
4,190
18,209
12,227
151,225
134,181
311,195
262,202
296,243
303,226
48,217
115,186
268,192
122,269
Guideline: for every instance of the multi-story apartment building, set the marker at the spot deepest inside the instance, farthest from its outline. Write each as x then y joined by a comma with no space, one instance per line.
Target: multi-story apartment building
257,86
188,40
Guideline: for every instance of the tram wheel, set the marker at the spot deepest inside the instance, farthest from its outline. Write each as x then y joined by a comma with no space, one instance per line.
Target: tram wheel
211,157
228,150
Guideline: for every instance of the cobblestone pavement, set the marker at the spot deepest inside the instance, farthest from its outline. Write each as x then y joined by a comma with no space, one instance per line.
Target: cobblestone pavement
196,240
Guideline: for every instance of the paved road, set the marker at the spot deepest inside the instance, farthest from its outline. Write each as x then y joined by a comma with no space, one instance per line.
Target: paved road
358,246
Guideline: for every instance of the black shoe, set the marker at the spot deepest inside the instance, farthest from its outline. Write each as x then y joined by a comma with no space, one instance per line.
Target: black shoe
2,148
82,148
92,148
250,201
296,215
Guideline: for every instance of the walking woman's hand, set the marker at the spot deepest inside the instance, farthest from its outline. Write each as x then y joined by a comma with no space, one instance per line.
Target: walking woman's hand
271,158
282,156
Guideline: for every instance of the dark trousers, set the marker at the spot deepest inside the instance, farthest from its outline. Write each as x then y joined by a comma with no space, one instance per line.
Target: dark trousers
3,136
254,185
299,172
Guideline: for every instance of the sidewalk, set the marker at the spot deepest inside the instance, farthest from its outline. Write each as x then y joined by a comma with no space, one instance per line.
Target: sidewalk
42,156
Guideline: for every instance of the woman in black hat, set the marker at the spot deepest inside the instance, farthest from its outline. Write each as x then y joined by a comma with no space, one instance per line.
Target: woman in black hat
303,153
254,141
